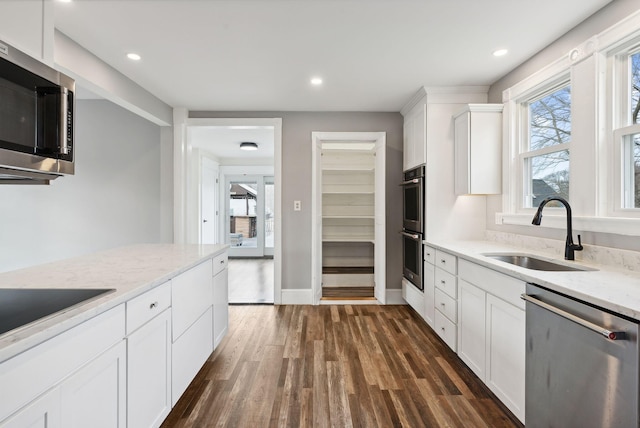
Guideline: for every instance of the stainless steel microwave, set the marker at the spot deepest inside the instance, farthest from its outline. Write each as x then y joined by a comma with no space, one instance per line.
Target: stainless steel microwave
36,119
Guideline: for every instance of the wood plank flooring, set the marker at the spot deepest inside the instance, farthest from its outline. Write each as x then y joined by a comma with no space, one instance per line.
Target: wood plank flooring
335,366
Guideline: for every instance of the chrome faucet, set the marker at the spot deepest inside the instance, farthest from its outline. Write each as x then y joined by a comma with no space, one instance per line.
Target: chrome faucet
569,247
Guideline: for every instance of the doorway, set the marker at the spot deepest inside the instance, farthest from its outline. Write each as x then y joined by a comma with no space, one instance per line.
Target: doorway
219,140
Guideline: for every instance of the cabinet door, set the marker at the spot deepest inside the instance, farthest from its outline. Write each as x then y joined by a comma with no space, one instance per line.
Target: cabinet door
220,306
506,353
95,396
149,372
462,142
471,327
44,412
429,293
407,146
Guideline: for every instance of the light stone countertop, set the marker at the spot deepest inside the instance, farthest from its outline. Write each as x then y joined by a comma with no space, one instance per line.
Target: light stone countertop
129,270
610,287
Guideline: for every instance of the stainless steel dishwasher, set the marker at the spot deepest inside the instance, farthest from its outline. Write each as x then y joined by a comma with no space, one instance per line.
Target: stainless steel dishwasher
581,364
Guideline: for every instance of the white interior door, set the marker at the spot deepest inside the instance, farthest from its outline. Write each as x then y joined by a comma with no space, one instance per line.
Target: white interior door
209,202
316,213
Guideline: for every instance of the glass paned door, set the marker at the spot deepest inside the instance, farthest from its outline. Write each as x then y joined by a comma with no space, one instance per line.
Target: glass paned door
250,215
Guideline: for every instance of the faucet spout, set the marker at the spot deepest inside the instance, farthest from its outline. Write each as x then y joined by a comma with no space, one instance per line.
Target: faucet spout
569,248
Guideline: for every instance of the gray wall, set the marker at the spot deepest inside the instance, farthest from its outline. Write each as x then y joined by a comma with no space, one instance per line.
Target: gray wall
113,199
608,16
296,183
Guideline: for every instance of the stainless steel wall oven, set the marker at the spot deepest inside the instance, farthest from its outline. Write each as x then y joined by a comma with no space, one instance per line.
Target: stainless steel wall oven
413,224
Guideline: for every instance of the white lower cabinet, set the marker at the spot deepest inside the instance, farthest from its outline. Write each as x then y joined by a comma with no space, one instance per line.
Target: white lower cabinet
189,353
95,396
491,331
429,279
44,412
149,372
506,353
220,306
413,296
471,323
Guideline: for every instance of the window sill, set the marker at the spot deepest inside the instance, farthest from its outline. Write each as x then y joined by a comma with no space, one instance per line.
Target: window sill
620,226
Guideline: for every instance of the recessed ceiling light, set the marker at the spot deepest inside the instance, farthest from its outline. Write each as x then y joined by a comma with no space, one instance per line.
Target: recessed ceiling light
500,52
316,81
133,56
248,145
64,1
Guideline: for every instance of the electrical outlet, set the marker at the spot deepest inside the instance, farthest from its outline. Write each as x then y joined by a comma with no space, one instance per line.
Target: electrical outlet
296,205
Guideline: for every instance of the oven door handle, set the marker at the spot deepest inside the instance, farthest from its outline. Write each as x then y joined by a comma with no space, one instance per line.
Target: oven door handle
611,335
414,181
414,236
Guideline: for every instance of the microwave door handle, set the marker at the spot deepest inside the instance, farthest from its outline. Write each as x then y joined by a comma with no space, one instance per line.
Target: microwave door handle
63,132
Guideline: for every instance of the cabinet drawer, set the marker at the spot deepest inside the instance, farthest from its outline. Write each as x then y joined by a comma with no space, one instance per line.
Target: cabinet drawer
447,305
220,263
413,296
429,254
446,282
446,330
146,306
446,261
189,353
500,285
191,296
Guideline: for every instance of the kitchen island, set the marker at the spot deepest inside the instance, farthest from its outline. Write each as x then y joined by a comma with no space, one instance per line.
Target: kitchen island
125,357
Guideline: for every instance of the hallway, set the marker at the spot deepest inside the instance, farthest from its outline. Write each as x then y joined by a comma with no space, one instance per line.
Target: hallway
251,280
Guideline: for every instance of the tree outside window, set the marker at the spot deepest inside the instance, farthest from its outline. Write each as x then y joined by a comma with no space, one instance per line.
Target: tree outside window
546,162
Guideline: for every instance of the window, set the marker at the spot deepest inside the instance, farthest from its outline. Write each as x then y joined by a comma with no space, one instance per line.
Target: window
627,129
545,155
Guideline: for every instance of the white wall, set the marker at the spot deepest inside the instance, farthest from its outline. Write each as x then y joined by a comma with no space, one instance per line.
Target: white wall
114,199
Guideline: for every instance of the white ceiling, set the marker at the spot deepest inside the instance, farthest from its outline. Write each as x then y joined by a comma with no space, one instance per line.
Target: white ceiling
224,142
260,54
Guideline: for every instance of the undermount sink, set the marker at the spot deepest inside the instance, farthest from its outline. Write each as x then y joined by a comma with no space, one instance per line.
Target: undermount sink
22,306
532,262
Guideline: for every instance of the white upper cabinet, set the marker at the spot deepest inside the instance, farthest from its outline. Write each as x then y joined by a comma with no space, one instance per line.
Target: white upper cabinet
478,141
415,136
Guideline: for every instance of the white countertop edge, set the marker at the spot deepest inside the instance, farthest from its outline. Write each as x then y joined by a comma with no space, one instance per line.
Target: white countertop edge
19,340
620,292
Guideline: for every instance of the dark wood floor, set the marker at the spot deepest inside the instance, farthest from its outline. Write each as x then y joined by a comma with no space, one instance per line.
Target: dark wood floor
335,366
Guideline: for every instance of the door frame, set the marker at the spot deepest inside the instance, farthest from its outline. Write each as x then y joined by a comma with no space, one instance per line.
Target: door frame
317,138
186,182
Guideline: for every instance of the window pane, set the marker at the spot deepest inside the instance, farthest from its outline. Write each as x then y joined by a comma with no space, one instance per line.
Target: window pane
269,212
635,87
242,214
632,171
549,177
550,119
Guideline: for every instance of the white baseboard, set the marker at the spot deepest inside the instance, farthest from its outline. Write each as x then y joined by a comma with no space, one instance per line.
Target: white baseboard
394,297
299,296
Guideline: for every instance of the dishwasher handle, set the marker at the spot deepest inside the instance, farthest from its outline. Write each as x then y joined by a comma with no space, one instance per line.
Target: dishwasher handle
611,335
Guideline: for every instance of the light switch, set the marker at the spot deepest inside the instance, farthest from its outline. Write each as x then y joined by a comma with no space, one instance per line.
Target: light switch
296,205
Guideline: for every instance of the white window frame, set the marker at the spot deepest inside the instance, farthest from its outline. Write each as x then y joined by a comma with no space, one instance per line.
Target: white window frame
525,154
619,125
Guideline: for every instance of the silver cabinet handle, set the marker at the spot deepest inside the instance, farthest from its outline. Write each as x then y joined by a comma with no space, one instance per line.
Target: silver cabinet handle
443,261
611,335
153,305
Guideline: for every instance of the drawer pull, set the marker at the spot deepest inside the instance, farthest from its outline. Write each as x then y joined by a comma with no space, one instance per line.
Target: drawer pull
442,304
221,262
442,281
442,328
443,261
429,254
153,305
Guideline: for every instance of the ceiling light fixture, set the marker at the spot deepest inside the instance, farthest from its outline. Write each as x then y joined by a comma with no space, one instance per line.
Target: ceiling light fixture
316,81
248,145
133,56
500,52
